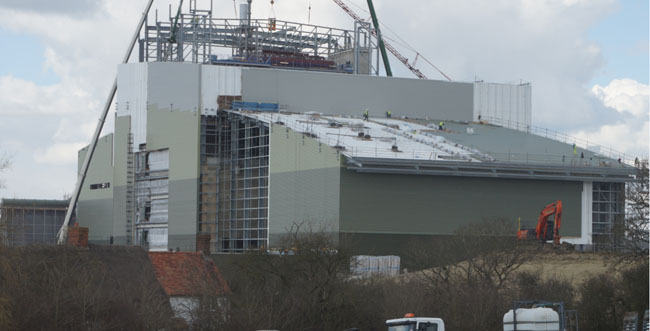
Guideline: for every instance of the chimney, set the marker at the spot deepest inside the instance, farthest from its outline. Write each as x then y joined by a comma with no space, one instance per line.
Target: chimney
203,243
78,236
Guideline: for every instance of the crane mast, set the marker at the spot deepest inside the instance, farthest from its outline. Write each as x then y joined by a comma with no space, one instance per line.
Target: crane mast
63,232
380,40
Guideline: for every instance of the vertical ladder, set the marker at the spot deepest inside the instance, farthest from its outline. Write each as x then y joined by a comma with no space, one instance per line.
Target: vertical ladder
130,190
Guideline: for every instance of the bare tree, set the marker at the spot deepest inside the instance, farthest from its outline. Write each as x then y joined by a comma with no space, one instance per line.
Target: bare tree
5,163
636,221
306,287
487,251
63,288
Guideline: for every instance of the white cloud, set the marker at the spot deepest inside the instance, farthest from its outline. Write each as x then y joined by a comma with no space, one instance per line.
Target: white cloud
68,7
542,42
59,154
23,97
630,133
629,137
624,95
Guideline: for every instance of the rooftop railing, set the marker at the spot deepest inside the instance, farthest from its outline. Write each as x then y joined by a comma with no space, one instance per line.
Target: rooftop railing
562,137
435,154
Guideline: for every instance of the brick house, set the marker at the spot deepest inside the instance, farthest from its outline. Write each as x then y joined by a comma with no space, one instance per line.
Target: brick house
187,277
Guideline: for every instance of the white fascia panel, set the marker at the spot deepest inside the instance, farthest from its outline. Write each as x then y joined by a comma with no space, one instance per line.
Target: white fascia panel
586,217
132,98
217,81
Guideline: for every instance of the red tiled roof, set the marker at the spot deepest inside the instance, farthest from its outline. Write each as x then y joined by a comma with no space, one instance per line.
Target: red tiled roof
187,274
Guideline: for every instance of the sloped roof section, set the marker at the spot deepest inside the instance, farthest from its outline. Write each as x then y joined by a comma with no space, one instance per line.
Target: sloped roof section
35,203
376,138
187,274
422,146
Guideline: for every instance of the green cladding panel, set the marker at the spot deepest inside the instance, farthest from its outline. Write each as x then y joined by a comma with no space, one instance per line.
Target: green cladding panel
439,205
95,206
179,132
120,158
173,123
303,183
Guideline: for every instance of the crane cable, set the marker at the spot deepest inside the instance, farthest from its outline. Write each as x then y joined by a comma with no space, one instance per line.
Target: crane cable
309,14
272,11
272,22
403,43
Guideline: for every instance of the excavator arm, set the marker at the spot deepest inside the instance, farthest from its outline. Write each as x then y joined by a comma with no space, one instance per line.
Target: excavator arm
544,225
546,228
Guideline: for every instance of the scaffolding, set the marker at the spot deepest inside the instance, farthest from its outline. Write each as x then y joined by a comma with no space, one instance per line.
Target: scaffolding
209,179
234,182
608,212
26,222
152,199
130,190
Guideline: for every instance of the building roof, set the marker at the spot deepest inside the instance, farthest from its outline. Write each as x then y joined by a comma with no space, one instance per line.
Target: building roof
34,203
413,141
521,146
187,274
467,149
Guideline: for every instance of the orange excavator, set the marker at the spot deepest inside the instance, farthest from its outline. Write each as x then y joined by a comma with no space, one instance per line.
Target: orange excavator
548,225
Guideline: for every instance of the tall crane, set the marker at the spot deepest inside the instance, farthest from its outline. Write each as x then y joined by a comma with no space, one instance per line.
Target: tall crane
380,40
63,232
172,37
388,46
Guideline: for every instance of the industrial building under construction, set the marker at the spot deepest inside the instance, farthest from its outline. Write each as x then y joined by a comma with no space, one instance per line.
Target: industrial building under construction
236,150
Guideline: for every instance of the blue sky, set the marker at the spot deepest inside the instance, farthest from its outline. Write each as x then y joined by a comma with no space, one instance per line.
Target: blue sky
622,35
623,38
27,58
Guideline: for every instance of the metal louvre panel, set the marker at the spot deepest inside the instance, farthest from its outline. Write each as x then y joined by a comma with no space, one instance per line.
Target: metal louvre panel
159,160
159,211
503,101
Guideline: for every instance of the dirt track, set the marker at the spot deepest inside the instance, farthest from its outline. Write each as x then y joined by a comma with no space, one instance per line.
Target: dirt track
574,266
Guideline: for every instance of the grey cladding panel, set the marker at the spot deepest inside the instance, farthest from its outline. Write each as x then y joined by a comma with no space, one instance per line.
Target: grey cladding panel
303,184
119,211
182,207
95,206
330,93
410,204
184,243
304,196
97,215
173,84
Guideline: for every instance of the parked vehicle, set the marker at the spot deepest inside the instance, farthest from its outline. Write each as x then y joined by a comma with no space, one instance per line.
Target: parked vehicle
412,323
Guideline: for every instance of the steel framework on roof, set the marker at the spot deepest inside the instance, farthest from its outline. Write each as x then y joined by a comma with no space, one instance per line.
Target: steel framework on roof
198,35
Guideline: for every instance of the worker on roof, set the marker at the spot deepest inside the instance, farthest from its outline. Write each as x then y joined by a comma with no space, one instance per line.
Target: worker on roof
441,126
365,115
575,150
388,114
